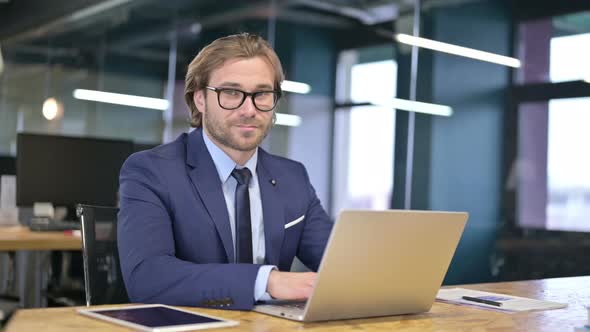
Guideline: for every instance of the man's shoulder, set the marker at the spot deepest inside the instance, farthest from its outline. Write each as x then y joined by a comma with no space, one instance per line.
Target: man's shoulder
273,158
278,164
175,150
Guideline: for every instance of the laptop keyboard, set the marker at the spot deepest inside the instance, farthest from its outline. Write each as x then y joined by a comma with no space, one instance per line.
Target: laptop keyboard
297,305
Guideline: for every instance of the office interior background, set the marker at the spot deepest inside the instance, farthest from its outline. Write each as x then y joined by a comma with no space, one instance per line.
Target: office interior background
508,148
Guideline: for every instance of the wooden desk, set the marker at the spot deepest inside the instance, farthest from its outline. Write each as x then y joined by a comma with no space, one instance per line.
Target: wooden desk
442,317
14,238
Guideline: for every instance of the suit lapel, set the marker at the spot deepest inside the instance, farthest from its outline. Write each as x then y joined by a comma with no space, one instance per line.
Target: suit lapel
272,210
205,178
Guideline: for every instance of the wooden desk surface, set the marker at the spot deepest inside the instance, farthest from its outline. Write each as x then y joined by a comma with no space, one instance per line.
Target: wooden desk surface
14,238
442,316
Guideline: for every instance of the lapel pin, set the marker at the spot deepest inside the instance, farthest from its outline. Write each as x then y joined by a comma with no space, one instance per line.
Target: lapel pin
273,182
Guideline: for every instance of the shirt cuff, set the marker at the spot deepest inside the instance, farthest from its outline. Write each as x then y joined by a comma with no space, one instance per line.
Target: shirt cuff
261,282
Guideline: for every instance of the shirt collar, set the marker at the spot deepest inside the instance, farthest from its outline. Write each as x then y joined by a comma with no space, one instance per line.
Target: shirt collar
223,163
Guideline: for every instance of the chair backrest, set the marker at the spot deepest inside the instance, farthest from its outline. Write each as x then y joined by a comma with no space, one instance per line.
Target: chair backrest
102,271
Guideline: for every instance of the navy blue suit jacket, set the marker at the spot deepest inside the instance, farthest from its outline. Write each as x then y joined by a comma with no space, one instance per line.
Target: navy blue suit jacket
174,237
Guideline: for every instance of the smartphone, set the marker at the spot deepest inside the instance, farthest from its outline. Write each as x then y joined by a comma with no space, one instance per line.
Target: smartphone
157,318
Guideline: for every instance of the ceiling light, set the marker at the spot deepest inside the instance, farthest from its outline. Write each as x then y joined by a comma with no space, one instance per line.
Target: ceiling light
50,108
457,50
415,106
195,28
288,120
297,87
121,99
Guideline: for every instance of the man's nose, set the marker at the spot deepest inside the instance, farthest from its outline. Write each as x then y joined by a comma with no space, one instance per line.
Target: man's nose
248,109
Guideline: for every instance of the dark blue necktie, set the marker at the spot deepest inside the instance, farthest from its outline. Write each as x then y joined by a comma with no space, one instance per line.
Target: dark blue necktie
243,224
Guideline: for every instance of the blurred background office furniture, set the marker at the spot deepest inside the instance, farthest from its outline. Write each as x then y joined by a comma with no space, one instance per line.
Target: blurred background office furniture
442,316
9,301
7,165
66,170
32,260
103,282
8,211
8,305
21,238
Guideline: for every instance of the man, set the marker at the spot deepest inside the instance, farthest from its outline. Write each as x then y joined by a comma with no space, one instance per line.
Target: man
211,219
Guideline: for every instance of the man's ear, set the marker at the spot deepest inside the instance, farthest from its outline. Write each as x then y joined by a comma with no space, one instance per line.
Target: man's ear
199,100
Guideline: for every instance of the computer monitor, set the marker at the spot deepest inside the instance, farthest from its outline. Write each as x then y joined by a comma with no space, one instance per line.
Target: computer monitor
66,170
7,165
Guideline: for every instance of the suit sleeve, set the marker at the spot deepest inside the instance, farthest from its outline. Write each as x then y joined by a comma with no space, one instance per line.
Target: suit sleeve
151,271
316,231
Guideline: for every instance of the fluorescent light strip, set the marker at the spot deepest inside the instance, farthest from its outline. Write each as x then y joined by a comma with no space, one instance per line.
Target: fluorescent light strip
121,99
288,120
457,50
297,87
415,106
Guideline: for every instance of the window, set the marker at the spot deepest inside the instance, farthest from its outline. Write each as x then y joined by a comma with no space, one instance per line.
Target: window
568,178
553,177
364,135
569,58
553,182
555,49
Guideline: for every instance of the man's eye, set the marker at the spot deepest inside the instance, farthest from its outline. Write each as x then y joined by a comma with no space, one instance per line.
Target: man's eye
232,93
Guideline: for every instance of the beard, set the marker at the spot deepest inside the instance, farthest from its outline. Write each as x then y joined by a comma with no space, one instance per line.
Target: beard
221,131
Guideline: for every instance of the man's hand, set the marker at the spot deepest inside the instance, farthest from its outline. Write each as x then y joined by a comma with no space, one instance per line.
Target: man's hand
290,285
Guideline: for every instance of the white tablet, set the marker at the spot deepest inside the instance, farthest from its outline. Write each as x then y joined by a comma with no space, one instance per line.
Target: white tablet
157,318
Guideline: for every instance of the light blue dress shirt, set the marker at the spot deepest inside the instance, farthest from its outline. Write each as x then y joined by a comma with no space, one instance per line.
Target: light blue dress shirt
225,165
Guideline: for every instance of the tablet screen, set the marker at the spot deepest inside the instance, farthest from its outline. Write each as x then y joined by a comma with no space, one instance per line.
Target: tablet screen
157,316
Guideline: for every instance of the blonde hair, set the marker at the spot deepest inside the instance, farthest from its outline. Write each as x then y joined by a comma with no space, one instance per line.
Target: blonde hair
214,55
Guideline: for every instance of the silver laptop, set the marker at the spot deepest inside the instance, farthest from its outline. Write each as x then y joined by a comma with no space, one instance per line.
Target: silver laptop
379,263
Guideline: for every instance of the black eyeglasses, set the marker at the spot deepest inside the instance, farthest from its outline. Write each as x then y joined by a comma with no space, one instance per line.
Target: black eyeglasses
231,99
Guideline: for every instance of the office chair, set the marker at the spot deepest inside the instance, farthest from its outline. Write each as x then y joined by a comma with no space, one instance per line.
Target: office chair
103,282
